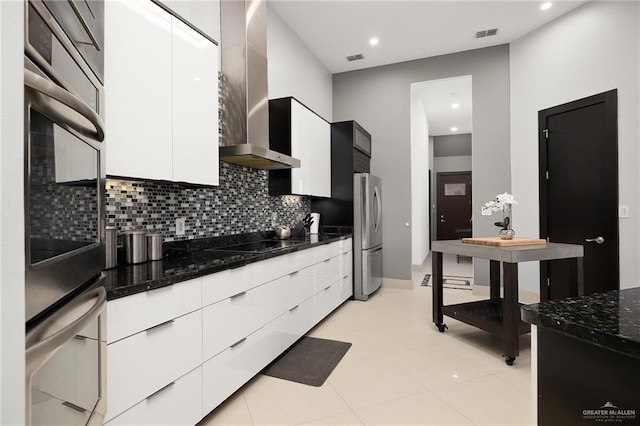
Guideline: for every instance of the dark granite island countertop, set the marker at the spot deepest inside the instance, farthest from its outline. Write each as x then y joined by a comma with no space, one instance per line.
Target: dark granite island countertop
184,260
610,320
586,358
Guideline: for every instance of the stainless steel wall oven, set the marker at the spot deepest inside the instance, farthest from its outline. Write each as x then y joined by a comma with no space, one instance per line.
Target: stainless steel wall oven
64,211
64,165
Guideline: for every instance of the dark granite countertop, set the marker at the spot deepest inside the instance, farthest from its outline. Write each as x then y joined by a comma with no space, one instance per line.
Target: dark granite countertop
184,260
610,320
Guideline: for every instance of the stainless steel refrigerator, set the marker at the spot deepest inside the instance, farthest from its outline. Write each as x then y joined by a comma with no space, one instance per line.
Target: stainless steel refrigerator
367,235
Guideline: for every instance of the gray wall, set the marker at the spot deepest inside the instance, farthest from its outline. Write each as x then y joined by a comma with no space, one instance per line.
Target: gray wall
460,163
379,99
452,145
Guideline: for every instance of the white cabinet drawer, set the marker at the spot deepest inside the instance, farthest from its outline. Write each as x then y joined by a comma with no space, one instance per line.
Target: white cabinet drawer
327,272
301,286
178,403
347,287
223,374
132,314
229,320
284,293
299,260
346,245
346,264
222,285
326,251
327,300
287,328
141,364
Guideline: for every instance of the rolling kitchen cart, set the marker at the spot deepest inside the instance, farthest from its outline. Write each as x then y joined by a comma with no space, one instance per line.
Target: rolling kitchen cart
498,316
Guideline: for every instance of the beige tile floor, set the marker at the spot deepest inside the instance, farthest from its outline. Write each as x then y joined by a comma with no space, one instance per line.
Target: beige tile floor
399,371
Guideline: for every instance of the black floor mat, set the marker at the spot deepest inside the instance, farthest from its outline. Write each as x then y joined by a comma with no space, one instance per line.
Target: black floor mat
310,361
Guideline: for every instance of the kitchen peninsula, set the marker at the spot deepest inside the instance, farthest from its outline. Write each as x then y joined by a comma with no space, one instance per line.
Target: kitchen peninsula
586,352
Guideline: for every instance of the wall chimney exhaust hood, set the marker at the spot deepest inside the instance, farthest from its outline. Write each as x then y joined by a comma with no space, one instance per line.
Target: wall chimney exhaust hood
244,133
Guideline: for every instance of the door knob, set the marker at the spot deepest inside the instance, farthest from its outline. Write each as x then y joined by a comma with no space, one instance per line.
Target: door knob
598,240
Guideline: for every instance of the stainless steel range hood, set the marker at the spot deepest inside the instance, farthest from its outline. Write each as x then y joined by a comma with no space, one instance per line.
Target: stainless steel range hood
244,130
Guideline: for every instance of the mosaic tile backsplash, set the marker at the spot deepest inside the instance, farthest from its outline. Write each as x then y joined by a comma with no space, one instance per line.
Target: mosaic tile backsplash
240,204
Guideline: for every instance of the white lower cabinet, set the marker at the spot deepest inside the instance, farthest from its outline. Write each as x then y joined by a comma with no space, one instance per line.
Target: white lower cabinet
147,361
327,272
288,328
226,372
177,403
327,300
159,305
347,287
226,322
245,319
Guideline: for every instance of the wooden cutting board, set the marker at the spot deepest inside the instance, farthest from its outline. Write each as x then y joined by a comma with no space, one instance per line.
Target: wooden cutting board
497,242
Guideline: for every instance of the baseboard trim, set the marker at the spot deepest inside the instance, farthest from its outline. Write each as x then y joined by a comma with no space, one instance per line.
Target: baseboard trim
523,296
396,283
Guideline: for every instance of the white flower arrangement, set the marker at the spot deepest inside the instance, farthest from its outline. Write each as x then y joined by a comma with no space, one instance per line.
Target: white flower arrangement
499,203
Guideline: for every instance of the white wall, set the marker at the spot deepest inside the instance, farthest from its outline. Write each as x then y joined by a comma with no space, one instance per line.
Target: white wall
593,49
419,179
12,312
294,70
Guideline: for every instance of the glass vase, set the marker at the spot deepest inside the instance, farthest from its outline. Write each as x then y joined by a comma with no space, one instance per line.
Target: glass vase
507,232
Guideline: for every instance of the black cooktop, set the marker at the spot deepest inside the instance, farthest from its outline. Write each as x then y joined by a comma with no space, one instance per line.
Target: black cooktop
257,246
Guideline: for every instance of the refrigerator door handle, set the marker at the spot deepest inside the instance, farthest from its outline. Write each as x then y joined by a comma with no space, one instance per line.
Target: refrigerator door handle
378,212
363,202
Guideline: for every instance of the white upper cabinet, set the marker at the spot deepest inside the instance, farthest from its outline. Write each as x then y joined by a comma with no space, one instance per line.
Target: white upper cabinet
204,15
309,138
195,106
138,90
161,94
314,134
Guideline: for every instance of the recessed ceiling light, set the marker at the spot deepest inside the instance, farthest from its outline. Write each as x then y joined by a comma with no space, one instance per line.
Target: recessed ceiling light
454,129
374,41
545,5
455,106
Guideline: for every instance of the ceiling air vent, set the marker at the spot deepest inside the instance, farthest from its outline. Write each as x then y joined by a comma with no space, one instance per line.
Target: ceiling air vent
487,33
355,57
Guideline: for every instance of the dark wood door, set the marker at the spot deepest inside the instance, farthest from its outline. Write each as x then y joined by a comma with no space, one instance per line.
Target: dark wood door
579,192
454,204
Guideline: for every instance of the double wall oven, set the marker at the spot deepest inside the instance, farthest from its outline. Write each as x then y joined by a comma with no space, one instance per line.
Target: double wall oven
64,212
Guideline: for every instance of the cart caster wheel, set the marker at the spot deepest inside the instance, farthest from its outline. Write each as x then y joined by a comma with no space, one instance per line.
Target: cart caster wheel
509,359
441,327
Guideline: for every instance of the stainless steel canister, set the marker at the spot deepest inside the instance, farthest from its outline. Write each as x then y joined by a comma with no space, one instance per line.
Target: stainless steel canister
111,243
135,246
154,246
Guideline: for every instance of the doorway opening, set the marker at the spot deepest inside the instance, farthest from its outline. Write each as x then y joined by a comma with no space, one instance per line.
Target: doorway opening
441,141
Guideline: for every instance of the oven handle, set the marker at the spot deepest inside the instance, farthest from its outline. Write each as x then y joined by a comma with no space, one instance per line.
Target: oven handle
41,351
53,91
